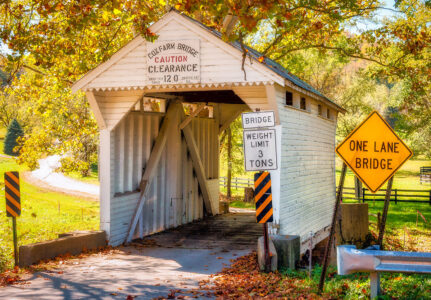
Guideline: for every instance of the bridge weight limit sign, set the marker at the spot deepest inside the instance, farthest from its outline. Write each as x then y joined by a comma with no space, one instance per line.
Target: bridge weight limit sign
260,154
260,145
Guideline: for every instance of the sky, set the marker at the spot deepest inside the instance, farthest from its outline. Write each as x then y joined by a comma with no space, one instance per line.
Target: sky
380,14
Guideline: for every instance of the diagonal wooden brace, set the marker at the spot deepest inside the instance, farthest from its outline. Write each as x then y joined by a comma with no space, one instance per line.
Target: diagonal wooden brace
152,164
198,167
192,115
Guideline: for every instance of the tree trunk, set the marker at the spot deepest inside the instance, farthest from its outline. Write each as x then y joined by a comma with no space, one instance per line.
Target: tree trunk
229,162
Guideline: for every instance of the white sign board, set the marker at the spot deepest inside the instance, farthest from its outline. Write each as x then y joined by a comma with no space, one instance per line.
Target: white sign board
173,62
260,150
258,119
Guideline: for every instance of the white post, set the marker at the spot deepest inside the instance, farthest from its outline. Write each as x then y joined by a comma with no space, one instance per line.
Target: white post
105,180
374,284
275,185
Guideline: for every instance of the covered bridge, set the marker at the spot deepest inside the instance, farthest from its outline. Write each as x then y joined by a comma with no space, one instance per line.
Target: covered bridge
161,108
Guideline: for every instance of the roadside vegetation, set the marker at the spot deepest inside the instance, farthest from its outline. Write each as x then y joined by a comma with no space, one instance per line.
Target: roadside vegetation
44,214
243,280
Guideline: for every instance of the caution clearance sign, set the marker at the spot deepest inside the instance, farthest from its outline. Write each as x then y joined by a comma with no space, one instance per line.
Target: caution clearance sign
12,194
373,151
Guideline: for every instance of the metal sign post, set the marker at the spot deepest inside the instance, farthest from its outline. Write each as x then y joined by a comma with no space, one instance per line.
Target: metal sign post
385,213
260,154
333,224
13,205
264,211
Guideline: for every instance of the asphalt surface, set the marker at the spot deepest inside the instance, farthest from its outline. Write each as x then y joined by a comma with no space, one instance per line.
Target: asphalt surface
177,259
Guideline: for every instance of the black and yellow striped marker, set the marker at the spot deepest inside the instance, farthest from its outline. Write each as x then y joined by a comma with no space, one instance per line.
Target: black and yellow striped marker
263,197
13,197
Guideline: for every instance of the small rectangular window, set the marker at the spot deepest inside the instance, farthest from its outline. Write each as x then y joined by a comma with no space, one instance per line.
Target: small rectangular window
328,113
319,109
289,98
303,104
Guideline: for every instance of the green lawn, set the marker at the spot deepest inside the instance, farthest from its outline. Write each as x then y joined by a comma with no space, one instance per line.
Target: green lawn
44,215
93,178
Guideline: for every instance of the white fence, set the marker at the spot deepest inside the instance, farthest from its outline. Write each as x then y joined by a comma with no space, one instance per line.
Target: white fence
237,183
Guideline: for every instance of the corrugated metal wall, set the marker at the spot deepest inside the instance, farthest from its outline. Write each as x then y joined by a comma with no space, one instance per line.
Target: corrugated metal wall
173,198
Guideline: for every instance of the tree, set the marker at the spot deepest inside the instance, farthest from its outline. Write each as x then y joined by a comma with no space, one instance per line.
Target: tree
14,132
59,123
62,40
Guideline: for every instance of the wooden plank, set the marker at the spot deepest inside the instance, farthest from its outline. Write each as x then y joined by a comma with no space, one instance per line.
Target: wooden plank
96,110
105,180
192,115
87,78
271,95
198,167
151,167
130,153
231,118
121,143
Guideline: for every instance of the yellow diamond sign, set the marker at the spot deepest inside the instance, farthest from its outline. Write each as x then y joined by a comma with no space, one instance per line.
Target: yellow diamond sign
373,151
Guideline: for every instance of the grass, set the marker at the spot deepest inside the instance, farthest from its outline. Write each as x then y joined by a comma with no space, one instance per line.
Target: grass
44,215
93,178
241,204
357,286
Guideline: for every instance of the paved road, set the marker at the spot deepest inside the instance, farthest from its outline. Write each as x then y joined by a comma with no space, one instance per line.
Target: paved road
177,259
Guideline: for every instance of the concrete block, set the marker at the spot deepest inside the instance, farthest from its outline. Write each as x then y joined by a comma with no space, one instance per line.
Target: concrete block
288,250
261,254
73,243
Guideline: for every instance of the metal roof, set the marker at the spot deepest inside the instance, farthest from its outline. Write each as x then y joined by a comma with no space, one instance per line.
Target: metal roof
269,63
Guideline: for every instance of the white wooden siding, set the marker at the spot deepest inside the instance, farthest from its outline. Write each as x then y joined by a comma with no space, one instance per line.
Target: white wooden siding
173,197
254,96
307,169
218,64
114,105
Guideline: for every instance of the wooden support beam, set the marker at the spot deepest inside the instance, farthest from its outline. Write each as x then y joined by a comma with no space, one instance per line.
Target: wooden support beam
151,167
198,167
271,95
192,115
231,119
96,110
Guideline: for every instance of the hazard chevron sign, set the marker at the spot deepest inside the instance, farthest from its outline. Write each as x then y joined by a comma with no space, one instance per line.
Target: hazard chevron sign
13,197
263,197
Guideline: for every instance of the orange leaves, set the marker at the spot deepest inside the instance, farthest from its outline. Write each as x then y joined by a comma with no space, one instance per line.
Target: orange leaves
261,59
288,15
